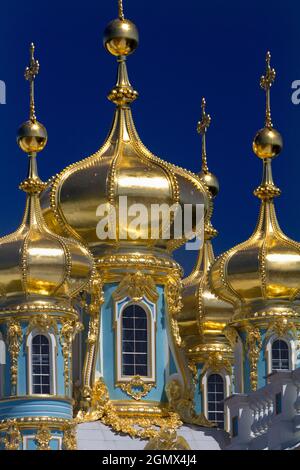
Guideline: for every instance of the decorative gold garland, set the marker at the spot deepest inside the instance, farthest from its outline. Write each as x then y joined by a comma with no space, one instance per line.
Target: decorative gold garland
136,383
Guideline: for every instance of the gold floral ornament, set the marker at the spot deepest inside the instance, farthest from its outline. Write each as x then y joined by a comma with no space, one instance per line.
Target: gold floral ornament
216,362
136,388
253,345
43,323
69,330
281,327
183,404
136,287
167,439
12,439
143,427
43,438
70,439
14,338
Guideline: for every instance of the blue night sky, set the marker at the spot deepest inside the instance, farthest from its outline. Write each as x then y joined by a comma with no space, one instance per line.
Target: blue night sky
188,49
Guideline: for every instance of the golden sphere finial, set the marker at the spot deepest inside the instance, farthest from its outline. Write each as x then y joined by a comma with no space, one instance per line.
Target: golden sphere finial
32,137
121,36
267,143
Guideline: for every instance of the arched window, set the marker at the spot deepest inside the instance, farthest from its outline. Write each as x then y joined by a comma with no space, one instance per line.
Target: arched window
41,365
215,399
135,342
280,355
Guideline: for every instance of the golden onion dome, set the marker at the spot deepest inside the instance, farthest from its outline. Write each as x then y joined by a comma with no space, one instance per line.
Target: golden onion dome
263,273
39,269
204,316
76,198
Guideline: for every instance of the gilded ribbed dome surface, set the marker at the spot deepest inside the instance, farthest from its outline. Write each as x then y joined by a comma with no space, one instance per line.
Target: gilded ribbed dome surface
36,265
122,167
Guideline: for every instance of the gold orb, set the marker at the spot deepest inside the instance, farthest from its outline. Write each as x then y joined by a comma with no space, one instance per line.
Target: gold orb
121,37
267,143
211,181
32,137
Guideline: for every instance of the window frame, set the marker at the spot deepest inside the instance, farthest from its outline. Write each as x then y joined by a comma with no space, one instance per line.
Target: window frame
204,388
150,310
53,366
291,343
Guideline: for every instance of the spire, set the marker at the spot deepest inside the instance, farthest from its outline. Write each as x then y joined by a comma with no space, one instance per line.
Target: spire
121,10
267,143
32,135
121,38
266,82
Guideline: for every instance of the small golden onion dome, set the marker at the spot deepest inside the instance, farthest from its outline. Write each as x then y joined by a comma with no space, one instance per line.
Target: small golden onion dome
204,316
121,37
267,143
39,270
32,137
261,276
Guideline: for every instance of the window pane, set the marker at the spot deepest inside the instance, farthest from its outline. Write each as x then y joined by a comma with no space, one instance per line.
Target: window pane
215,398
280,355
134,341
41,365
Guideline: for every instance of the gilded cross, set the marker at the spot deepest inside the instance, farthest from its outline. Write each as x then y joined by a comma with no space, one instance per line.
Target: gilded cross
266,82
30,73
202,127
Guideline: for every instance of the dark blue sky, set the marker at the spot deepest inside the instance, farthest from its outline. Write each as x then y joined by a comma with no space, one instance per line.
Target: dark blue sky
188,49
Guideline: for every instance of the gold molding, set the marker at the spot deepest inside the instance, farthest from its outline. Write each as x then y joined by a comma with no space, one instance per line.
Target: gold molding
215,362
136,383
43,323
12,438
70,438
67,334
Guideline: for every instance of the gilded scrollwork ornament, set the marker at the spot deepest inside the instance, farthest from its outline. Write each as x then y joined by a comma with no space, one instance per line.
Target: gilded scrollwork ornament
94,310
43,438
183,404
136,388
174,301
216,362
167,439
253,346
136,286
69,329
44,323
70,438
283,326
143,427
14,339
12,438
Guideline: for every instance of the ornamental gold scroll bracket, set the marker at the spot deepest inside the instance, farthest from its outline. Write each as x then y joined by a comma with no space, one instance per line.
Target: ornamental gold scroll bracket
253,346
94,310
70,438
14,340
175,305
136,286
182,403
69,330
216,362
136,388
43,323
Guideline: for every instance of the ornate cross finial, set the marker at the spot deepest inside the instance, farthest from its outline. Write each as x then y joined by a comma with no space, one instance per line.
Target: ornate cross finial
121,10
30,73
202,127
266,82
